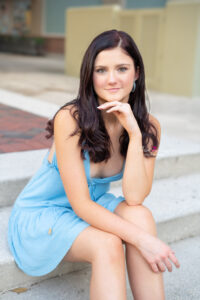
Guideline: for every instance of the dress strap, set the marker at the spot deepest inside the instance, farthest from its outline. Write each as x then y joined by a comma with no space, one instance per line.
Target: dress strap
86,162
54,160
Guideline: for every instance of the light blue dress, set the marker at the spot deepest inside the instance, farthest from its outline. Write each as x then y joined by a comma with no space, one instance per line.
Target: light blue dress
42,225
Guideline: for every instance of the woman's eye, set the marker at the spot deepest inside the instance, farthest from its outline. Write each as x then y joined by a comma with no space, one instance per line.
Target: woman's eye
100,70
123,69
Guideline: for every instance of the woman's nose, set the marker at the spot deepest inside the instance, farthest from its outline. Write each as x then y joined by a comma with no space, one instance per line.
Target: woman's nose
111,77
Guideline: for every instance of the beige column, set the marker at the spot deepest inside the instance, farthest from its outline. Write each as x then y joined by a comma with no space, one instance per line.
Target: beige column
37,17
181,50
111,2
83,24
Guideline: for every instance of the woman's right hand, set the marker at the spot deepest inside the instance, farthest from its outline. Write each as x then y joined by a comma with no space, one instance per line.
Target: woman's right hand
157,253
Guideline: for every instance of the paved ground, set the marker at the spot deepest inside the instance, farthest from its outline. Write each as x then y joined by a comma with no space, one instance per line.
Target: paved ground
39,77
21,131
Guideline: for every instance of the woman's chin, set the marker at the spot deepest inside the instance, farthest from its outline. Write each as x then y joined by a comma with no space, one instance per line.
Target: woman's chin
112,98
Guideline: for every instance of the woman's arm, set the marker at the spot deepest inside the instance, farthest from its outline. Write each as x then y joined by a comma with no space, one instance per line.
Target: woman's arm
139,170
72,172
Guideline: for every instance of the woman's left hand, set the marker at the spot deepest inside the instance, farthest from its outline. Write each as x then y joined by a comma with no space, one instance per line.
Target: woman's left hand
124,114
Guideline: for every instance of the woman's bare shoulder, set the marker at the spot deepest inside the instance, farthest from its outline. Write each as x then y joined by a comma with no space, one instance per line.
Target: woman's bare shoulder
64,117
155,122
153,118
65,111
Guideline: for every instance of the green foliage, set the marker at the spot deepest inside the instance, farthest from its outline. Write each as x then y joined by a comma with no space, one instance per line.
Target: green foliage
22,44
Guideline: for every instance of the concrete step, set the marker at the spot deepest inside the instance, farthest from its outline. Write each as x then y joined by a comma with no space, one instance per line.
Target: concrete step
16,170
180,284
28,104
175,206
176,157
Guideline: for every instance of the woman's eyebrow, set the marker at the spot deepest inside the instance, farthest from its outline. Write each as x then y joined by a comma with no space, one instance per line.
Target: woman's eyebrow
116,65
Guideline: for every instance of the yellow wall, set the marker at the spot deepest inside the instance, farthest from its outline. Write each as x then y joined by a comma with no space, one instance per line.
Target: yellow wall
180,48
196,81
83,24
146,27
168,39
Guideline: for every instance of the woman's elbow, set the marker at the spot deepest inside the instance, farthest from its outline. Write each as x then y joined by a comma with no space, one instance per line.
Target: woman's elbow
136,198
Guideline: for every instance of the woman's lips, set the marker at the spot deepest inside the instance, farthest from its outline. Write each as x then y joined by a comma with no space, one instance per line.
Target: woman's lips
113,90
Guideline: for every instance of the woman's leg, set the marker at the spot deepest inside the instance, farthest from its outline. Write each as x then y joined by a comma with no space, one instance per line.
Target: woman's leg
145,284
106,254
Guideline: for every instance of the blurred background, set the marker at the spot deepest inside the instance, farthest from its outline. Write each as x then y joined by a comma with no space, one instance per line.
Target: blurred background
42,43
166,32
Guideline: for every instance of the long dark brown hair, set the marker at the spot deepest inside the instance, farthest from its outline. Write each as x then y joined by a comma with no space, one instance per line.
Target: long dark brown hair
93,134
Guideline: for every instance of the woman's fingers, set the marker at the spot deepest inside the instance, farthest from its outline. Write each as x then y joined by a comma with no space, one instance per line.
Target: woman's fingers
108,104
174,259
161,266
158,254
168,264
113,109
154,267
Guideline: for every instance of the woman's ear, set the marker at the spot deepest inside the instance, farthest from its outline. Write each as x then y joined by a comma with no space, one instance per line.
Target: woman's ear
137,73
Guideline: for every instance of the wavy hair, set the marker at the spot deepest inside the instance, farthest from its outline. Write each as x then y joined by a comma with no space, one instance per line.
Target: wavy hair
93,134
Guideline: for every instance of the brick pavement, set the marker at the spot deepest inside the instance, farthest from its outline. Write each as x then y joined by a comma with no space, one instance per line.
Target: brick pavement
21,131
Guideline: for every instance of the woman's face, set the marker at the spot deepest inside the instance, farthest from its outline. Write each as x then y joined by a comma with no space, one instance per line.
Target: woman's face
114,75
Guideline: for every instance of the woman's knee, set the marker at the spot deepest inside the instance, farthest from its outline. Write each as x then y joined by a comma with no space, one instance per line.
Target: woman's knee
93,243
139,215
142,212
109,248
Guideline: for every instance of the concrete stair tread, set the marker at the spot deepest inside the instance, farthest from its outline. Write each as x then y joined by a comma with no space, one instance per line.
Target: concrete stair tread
172,197
165,200
29,104
20,165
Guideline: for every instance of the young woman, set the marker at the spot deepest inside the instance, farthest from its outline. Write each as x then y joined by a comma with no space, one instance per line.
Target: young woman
66,212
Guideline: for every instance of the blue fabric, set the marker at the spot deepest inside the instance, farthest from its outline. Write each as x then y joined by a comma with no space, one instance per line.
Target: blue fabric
42,205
